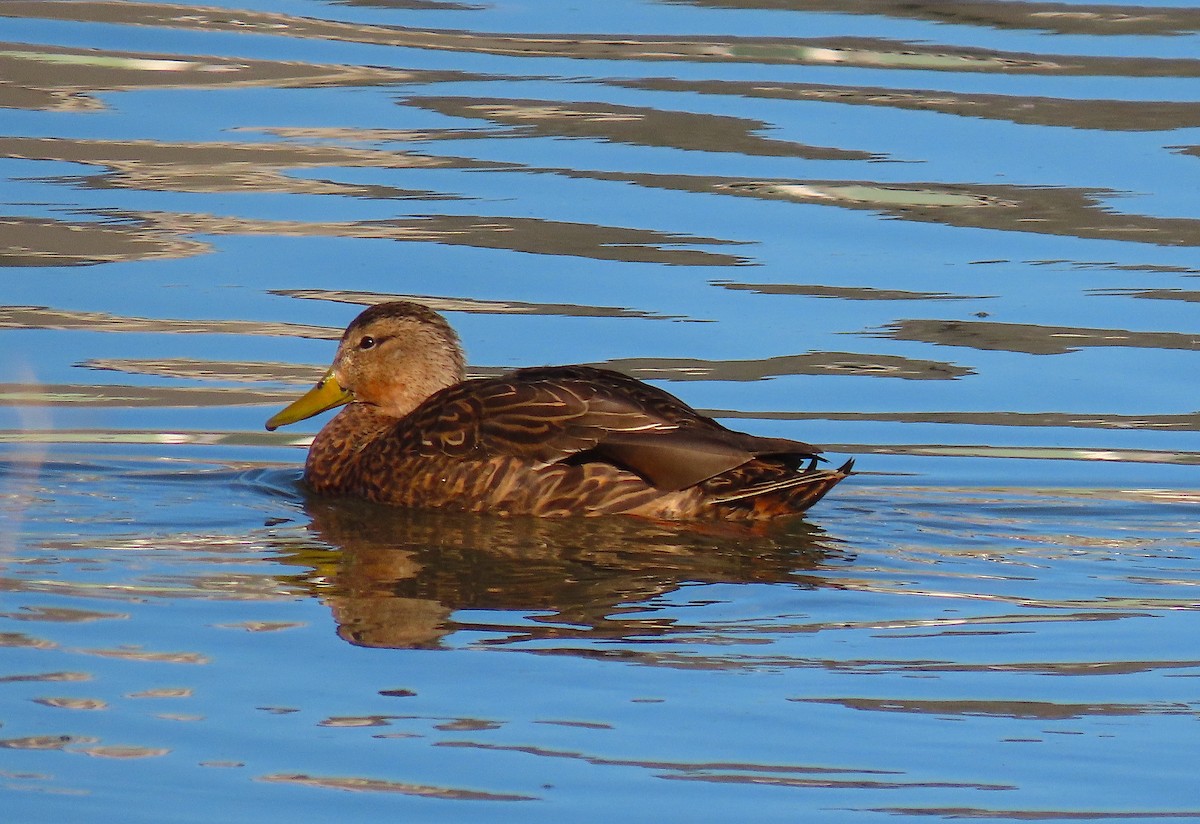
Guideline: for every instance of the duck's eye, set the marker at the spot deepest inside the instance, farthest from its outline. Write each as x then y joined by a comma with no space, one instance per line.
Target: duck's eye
367,342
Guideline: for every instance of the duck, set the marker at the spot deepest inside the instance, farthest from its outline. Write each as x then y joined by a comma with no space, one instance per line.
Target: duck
544,441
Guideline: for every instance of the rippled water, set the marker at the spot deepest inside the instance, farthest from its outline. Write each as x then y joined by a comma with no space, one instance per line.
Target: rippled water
955,240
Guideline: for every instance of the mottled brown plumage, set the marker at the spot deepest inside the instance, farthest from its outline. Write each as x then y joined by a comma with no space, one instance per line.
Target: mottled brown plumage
547,441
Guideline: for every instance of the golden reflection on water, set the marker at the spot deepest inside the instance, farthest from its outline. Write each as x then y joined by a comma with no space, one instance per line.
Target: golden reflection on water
146,165
1072,212
856,51
42,317
363,784
393,578
72,703
52,78
476,305
151,235
1103,114
1066,211
1063,18
46,676
1032,339
632,125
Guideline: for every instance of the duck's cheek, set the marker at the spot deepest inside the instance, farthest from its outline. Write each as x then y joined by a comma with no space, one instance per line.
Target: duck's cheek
370,389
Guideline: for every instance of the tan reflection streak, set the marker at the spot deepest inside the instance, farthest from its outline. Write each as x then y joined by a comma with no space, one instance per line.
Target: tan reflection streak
1043,710
1188,296
225,587
1063,18
583,725
1050,211
842,292
73,703
357,721
43,242
491,307
163,692
19,97
811,363
223,167
1031,339
41,317
55,78
1189,422
1111,266
356,784
44,742
61,614
121,751
350,134
263,626
131,397
1107,115
126,437
872,52
1053,211
47,676
26,241
20,639
548,237
143,655
632,125
196,369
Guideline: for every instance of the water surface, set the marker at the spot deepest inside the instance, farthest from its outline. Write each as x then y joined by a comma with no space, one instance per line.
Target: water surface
956,241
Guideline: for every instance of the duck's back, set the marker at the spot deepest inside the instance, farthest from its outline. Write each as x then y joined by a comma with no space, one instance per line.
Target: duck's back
567,440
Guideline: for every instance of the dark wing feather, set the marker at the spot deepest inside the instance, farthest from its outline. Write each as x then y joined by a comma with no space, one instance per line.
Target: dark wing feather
545,415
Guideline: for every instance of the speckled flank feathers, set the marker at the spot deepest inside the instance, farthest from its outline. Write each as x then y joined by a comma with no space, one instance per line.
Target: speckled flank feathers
547,441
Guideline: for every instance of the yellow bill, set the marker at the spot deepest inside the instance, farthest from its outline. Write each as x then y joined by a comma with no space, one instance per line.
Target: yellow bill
327,394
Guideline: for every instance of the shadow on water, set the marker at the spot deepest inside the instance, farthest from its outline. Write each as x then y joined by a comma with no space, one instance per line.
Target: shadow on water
397,578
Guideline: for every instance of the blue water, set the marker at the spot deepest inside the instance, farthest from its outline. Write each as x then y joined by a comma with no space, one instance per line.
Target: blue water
818,221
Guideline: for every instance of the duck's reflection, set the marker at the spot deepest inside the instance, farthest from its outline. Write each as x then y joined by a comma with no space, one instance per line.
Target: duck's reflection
396,578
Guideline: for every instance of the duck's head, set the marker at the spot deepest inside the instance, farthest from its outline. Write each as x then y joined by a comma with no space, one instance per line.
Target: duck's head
392,357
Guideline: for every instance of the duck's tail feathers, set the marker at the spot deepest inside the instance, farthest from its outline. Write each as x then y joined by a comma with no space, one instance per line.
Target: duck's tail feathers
794,493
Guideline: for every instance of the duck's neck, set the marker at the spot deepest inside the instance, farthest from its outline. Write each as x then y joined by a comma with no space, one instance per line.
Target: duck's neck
333,457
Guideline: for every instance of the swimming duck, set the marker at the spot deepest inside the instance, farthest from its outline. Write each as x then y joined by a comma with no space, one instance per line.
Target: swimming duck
545,441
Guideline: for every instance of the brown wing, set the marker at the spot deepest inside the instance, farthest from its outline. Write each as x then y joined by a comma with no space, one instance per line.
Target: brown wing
547,415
